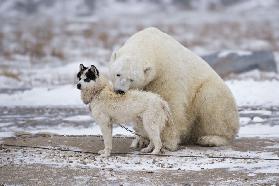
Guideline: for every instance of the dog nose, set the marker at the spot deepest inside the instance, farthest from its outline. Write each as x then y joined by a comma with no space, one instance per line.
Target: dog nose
119,92
79,86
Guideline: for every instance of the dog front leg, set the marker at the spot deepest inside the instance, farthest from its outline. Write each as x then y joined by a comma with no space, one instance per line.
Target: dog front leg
106,129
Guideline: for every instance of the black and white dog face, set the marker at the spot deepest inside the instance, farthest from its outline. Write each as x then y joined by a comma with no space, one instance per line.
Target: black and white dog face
87,76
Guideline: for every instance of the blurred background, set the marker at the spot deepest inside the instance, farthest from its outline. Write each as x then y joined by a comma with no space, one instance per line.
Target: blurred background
42,42
35,34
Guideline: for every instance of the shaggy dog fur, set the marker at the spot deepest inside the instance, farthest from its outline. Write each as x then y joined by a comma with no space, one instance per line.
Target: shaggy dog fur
148,111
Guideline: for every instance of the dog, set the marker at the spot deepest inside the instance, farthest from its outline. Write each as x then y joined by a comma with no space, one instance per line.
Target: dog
148,112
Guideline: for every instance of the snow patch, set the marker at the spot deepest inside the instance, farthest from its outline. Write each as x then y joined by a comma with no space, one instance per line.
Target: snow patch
263,112
228,52
135,162
68,130
259,130
258,119
276,146
63,95
78,118
244,120
249,92
246,92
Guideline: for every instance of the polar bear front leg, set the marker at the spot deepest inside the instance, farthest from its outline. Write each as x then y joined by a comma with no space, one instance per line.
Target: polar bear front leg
149,148
139,142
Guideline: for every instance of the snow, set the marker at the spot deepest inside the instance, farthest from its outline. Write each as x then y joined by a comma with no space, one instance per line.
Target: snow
135,162
246,92
258,119
78,118
250,92
276,146
225,53
254,4
244,120
9,130
259,130
63,95
263,112
94,130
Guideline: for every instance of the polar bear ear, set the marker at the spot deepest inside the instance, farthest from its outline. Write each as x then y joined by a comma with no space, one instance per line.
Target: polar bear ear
113,56
147,70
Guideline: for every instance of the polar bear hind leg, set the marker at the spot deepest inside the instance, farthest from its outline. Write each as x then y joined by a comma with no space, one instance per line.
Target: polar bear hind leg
217,118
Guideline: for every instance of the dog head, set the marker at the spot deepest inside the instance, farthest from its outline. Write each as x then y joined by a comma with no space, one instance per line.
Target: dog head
87,76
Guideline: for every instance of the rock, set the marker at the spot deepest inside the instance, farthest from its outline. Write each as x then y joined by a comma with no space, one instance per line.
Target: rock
228,62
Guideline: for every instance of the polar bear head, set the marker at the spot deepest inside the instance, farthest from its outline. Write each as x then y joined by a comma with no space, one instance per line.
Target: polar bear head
130,72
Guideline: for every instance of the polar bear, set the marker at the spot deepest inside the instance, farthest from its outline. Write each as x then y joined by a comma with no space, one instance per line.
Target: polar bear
203,107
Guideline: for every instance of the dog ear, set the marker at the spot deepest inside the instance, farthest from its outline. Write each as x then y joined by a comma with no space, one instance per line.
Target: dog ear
94,69
82,67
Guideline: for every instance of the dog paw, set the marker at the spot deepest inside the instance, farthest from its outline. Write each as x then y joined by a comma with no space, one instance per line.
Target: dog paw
134,144
101,151
104,153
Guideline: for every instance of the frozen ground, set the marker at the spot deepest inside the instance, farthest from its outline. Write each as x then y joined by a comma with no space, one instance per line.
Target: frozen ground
73,160
60,110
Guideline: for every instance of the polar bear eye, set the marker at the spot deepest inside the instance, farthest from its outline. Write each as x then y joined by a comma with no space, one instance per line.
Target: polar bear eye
131,80
118,75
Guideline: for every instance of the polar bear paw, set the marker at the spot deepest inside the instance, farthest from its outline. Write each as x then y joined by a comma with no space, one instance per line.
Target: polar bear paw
212,141
147,149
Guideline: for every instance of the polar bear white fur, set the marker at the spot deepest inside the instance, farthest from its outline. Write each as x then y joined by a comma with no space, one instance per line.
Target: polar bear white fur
203,107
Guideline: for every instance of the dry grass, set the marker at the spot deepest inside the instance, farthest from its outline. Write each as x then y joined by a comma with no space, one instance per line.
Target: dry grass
58,53
1,40
7,55
225,34
10,74
52,39
88,33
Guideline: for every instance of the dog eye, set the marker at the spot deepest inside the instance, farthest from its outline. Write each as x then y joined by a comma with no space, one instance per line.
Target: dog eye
118,75
131,80
87,80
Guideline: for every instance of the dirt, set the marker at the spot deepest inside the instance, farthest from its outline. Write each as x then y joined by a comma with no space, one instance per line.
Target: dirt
46,159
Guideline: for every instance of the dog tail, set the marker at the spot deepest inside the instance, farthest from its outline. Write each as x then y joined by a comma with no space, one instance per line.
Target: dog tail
168,113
